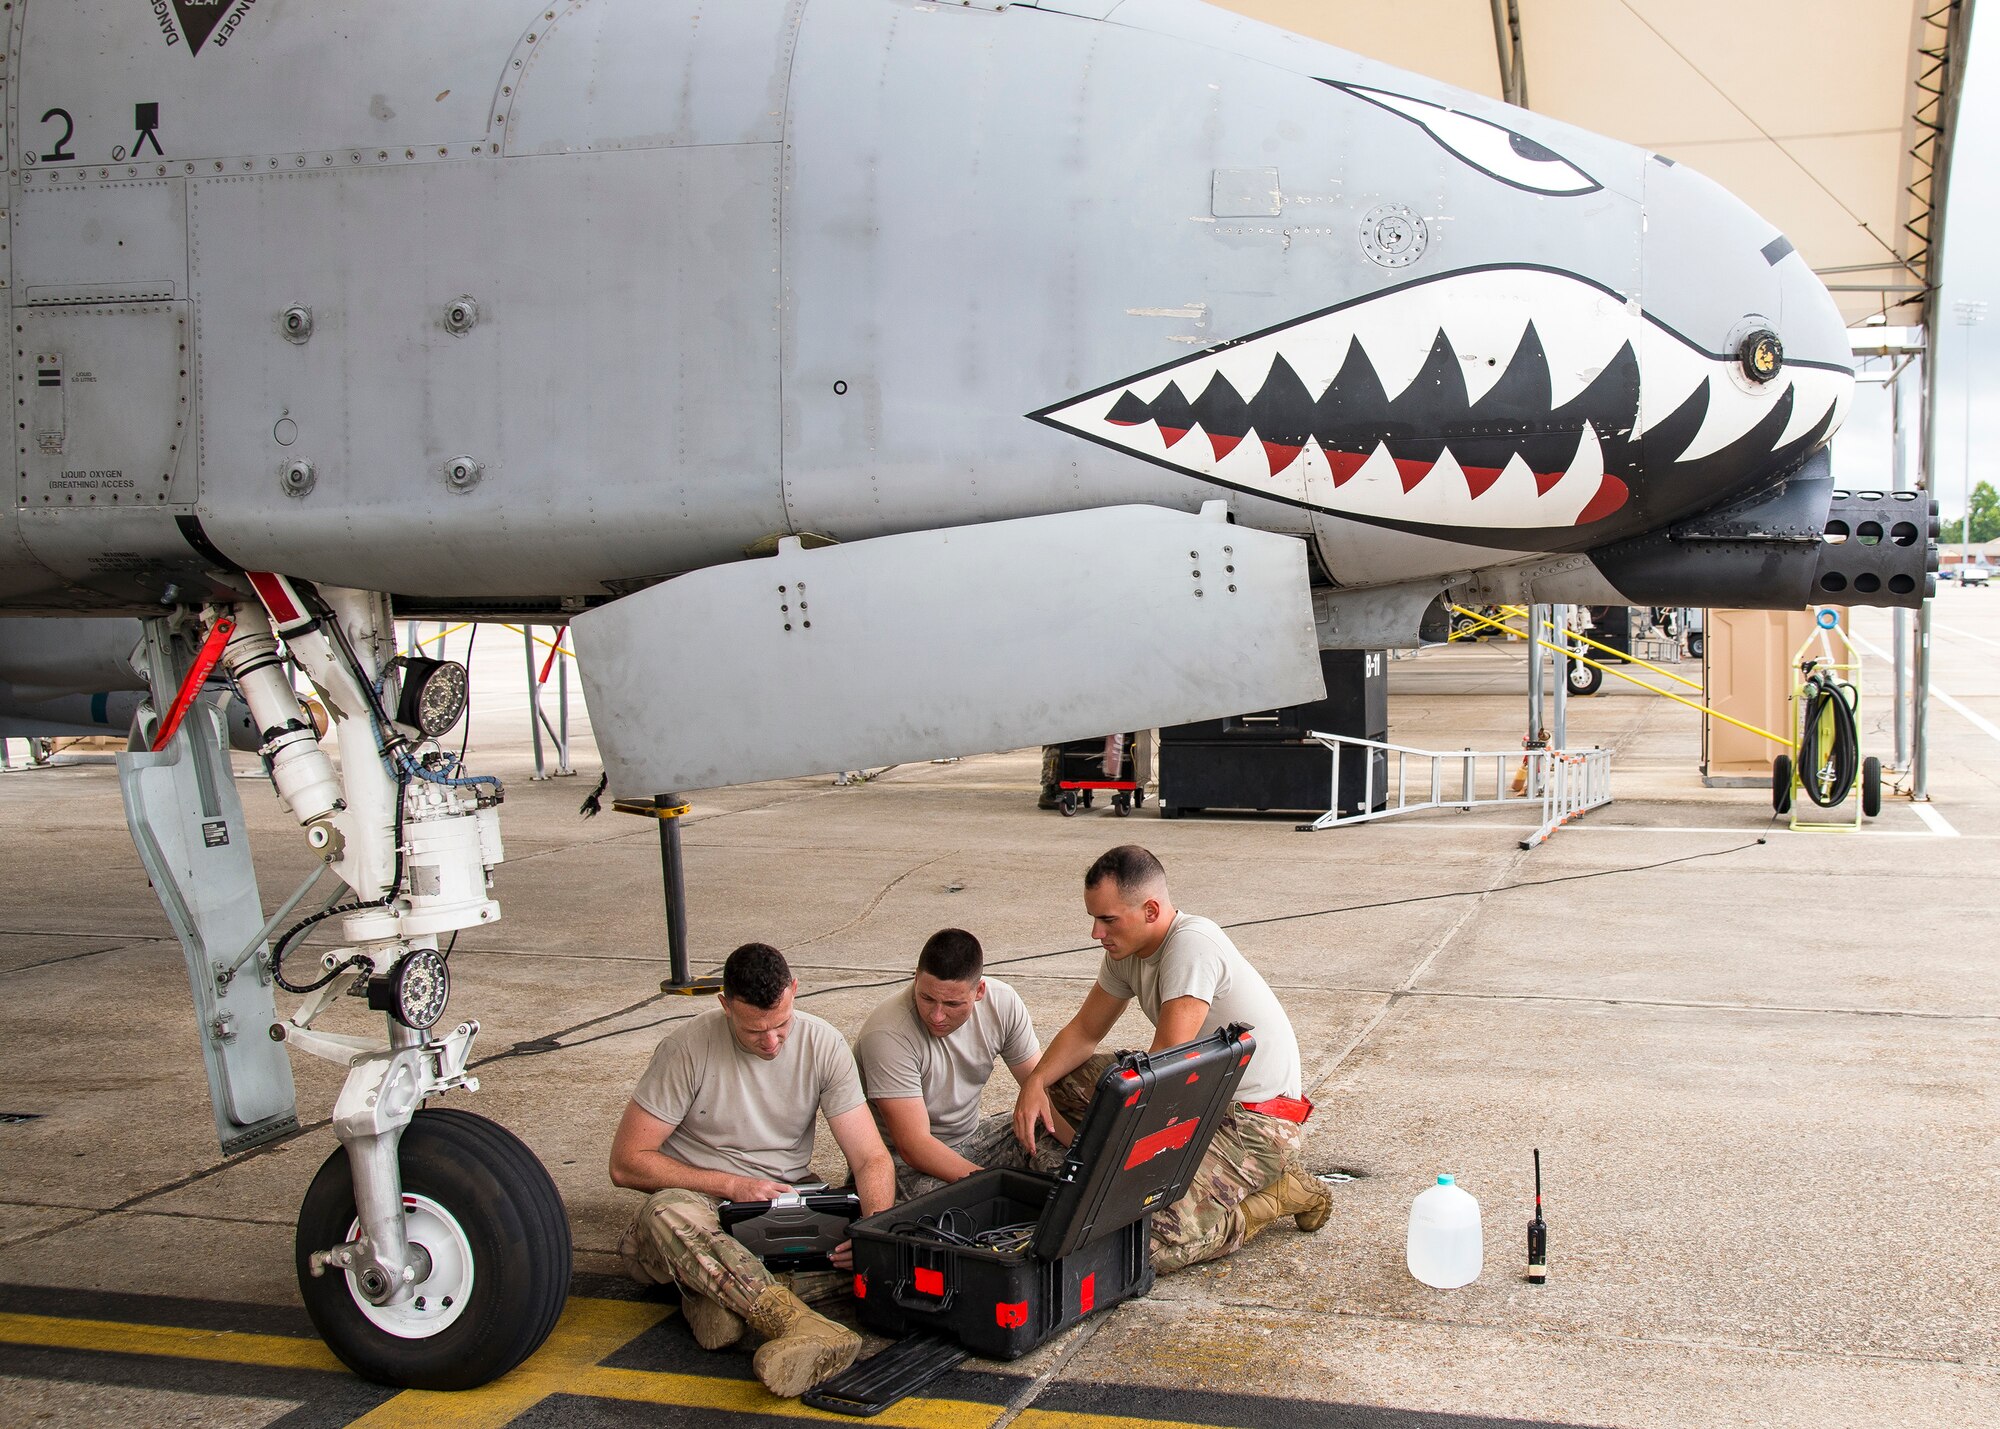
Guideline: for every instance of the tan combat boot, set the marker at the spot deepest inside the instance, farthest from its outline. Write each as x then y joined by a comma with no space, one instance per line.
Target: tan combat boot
1293,1194
800,1348
715,1325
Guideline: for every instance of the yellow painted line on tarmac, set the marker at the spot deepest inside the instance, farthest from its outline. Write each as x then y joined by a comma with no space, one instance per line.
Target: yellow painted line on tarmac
746,1396
116,1337
590,1330
1077,1419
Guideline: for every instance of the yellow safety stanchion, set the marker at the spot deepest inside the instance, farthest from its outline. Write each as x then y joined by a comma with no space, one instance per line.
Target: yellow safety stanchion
1635,680
442,635
1550,626
467,624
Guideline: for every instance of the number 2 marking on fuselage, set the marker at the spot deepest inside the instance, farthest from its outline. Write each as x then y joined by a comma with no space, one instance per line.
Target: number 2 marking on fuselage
59,154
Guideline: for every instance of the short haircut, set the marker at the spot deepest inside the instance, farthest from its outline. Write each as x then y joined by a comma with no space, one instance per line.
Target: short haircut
952,955
758,974
1132,868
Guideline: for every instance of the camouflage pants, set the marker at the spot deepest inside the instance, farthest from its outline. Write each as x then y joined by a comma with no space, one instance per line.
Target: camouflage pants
1248,1153
677,1239
990,1145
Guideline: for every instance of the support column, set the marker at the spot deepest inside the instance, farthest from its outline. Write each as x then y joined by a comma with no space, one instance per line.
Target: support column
1536,613
1559,718
668,809
1920,678
534,700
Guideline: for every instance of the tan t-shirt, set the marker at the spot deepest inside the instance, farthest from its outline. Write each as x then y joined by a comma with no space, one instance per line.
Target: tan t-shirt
900,1058
734,1112
1198,960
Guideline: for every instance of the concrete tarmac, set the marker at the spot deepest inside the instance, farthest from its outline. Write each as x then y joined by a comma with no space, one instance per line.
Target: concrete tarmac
1762,1068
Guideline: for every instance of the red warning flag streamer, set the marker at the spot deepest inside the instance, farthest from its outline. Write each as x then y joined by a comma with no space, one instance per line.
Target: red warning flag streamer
197,676
550,663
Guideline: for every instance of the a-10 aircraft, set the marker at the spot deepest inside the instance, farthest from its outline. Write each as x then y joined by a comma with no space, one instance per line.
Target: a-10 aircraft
863,380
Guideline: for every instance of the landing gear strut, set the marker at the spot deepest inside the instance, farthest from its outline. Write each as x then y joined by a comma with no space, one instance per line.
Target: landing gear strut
433,1250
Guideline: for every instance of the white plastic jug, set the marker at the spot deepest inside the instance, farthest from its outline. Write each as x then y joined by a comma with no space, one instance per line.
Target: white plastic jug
1446,1248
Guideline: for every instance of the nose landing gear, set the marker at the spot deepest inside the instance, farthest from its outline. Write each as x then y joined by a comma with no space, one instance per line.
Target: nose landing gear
433,1251
491,1228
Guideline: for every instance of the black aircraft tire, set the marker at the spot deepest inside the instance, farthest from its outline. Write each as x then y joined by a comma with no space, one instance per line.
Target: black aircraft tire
1781,784
1694,644
464,1174
1583,679
1871,786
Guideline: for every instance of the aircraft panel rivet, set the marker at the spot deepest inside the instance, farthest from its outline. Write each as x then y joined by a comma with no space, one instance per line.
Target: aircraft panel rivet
297,478
462,473
296,324
461,315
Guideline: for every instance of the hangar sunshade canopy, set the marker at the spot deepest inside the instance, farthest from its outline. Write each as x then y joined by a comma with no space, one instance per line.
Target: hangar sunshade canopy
1832,118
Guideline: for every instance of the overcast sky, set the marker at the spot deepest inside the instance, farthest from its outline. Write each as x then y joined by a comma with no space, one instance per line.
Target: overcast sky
1861,452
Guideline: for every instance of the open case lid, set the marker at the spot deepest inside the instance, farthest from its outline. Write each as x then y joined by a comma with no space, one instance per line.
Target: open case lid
1147,1128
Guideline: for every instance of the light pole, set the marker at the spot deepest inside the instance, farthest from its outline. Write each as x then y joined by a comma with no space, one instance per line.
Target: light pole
1969,312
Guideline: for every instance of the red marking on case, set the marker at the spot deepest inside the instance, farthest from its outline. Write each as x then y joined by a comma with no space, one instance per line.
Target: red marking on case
1011,1317
1086,1293
860,1287
929,1282
1171,1138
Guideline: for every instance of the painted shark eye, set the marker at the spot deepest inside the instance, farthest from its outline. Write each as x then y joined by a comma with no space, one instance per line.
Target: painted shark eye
1491,148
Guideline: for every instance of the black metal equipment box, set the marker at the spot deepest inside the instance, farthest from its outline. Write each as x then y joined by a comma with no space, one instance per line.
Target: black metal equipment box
1264,760
1611,625
1002,1260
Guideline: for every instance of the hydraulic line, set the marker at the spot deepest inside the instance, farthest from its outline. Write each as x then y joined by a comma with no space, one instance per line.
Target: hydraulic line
1829,755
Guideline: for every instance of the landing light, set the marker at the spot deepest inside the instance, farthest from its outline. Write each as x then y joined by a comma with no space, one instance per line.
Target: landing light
434,695
415,991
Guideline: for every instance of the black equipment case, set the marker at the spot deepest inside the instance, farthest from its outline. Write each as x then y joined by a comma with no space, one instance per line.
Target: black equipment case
1067,1244
1265,761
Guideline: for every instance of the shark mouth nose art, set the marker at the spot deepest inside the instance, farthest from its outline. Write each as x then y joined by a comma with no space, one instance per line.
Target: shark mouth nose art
1483,404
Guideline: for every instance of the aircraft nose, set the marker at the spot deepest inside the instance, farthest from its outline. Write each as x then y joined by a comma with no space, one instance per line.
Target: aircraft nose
1747,370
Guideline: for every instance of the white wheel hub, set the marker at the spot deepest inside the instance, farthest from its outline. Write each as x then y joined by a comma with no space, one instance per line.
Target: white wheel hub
440,1298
